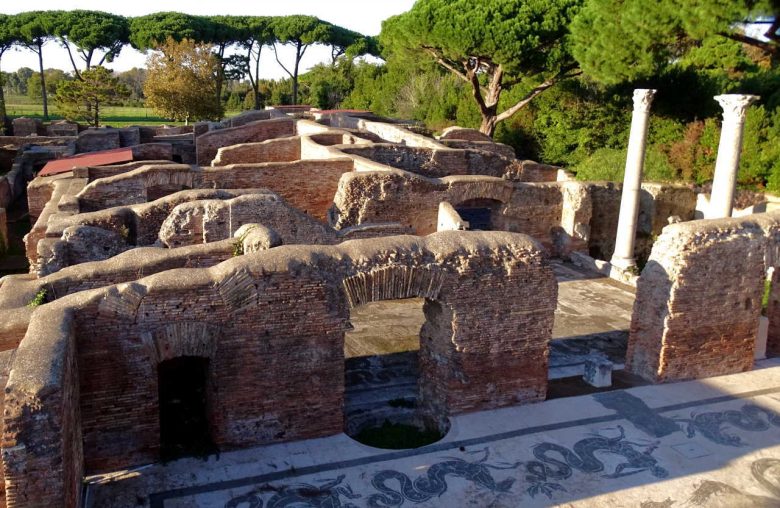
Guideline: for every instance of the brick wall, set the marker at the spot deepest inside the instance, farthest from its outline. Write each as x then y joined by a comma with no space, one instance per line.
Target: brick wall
42,448
699,299
272,150
413,201
308,185
273,325
206,145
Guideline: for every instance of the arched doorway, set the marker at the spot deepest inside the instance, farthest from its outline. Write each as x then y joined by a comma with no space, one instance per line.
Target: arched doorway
184,424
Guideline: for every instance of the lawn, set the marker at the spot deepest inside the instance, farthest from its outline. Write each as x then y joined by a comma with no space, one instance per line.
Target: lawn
114,116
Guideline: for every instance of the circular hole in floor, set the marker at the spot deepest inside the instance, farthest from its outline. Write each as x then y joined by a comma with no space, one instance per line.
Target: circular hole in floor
400,432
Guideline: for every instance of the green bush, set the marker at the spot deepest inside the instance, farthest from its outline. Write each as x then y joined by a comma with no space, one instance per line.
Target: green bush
608,164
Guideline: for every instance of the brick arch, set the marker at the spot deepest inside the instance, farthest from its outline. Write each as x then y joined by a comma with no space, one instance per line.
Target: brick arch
393,283
185,338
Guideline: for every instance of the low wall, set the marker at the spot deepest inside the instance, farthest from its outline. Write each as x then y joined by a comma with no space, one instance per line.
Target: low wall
308,185
657,203
206,145
272,150
544,211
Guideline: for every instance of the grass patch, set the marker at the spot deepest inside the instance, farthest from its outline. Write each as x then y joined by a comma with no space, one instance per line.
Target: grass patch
113,116
397,436
767,294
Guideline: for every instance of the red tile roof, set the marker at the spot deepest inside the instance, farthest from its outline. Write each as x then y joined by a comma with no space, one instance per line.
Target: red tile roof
100,158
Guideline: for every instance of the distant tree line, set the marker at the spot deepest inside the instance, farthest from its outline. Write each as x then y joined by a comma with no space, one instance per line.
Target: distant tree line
93,38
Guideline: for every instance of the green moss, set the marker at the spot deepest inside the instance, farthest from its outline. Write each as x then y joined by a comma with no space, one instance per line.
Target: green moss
765,298
38,299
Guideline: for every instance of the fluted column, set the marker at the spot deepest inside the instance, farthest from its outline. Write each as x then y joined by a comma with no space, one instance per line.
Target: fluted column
623,256
724,182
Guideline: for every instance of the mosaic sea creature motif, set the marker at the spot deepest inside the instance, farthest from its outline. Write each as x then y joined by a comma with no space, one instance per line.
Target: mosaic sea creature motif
713,425
434,482
298,495
556,462
765,471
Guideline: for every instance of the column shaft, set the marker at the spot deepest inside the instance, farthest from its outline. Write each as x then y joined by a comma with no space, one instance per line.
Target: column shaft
623,256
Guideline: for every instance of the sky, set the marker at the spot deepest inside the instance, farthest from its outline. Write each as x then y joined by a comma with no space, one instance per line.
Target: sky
364,16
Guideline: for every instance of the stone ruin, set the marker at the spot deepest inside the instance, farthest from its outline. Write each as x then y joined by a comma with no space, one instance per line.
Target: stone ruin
247,243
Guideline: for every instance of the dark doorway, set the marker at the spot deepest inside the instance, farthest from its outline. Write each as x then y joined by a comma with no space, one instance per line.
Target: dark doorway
478,218
184,428
479,213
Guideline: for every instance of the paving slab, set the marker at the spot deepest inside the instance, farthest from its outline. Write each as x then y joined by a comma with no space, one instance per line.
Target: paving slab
712,442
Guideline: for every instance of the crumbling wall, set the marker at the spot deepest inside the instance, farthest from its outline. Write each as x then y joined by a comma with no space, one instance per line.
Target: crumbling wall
308,185
699,298
215,219
413,201
206,145
657,202
250,315
436,162
272,150
42,446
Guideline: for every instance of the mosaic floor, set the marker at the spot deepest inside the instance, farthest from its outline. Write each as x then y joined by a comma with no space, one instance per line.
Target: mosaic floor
714,442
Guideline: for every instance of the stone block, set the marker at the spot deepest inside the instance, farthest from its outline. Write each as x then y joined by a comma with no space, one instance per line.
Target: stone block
94,140
598,372
24,127
62,128
761,336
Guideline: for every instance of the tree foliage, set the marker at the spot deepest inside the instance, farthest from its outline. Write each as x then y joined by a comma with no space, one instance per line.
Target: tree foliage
623,40
34,29
91,32
491,45
82,99
180,81
8,37
299,32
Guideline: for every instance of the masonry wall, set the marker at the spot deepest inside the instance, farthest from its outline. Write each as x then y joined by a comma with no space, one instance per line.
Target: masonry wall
657,203
42,448
699,299
206,145
272,150
272,324
413,201
437,163
308,185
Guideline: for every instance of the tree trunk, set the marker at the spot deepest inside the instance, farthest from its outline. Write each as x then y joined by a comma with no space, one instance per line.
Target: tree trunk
3,113
298,56
257,97
43,83
97,114
488,125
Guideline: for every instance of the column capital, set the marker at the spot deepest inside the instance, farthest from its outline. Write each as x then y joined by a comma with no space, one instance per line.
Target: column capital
735,106
643,98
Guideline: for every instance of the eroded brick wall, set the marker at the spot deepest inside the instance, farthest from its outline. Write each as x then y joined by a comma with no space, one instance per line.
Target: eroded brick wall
272,150
309,185
699,299
206,145
42,448
273,325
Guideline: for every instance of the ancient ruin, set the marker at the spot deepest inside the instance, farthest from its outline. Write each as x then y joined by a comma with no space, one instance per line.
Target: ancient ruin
236,255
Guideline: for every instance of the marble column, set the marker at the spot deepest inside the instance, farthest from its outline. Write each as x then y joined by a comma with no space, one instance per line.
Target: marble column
724,182
623,256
